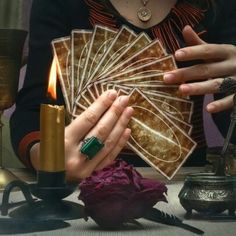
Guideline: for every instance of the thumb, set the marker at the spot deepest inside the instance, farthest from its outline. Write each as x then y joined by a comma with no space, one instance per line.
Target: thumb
190,36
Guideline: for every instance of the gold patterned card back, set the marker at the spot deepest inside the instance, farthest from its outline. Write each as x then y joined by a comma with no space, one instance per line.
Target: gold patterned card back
156,138
79,49
123,39
99,43
141,41
149,53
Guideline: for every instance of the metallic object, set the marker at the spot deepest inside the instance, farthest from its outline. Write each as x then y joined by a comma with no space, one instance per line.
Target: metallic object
144,13
228,85
208,194
212,193
48,206
11,46
91,146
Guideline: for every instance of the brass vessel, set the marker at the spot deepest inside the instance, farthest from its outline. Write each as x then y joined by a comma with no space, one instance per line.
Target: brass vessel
208,194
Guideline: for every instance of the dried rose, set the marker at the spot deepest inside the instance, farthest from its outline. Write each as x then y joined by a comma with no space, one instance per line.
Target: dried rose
119,194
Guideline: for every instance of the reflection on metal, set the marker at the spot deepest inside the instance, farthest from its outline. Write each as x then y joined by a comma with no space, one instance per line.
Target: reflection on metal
208,194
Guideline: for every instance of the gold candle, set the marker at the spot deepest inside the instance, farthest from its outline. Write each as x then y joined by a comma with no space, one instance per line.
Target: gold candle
52,150
52,126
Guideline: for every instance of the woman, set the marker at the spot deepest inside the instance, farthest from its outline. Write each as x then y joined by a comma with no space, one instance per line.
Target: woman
204,62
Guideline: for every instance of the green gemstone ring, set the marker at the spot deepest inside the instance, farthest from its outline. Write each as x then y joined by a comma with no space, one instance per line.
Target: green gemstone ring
91,146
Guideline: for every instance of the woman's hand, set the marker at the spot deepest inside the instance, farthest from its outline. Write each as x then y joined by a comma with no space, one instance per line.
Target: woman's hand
218,61
107,119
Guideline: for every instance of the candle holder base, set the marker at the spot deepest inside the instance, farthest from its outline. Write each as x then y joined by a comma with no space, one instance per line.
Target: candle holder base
52,193
46,210
49,206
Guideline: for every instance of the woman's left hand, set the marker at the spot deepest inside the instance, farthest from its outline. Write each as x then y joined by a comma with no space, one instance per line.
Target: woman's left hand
218,62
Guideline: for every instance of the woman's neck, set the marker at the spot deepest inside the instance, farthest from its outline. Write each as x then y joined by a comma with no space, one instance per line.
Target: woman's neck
154,11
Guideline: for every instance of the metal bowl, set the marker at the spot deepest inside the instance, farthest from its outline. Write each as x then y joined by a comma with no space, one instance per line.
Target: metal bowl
208,194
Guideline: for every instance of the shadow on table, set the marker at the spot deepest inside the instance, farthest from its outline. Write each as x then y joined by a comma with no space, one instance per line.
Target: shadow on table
128,227
22,226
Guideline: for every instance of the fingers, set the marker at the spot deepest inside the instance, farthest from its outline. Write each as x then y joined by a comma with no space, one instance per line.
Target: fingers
113,145
203,52
197,72
105,125
191,37
198,49
202,71
201,88
214,60
116,150
84,122
220,105
113,137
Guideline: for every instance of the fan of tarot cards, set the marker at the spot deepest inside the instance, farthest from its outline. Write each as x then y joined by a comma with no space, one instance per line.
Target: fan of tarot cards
91,62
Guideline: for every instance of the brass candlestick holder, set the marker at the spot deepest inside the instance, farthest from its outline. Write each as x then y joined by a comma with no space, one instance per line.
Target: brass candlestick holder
51,187
211,194
49,191
11,46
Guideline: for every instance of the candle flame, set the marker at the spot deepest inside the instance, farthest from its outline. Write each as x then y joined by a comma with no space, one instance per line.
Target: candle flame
52,90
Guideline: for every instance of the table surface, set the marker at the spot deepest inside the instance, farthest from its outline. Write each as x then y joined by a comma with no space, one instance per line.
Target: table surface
81,227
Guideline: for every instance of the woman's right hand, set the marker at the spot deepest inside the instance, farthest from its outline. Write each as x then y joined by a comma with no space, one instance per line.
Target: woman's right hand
107,119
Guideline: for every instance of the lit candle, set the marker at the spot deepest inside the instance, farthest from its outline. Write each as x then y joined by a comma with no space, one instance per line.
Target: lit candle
52,125
52,151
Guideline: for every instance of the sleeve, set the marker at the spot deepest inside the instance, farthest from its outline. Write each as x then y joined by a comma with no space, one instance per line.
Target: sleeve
224,31
48,21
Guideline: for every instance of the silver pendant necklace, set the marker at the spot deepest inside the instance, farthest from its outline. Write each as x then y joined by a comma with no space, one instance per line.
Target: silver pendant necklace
144,13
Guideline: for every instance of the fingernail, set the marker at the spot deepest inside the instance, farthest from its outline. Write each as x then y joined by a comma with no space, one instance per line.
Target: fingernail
168,78
180,54
184,88
210,107
112,94
129,111
123,100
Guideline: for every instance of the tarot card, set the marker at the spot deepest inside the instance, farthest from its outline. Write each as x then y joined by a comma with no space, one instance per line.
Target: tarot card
155,138
176,109
78,109
98,88
170,90
61,49
174,106
149,53
79,49
87,96
81,104
123,39
141,41
155,67
100,41
92,90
